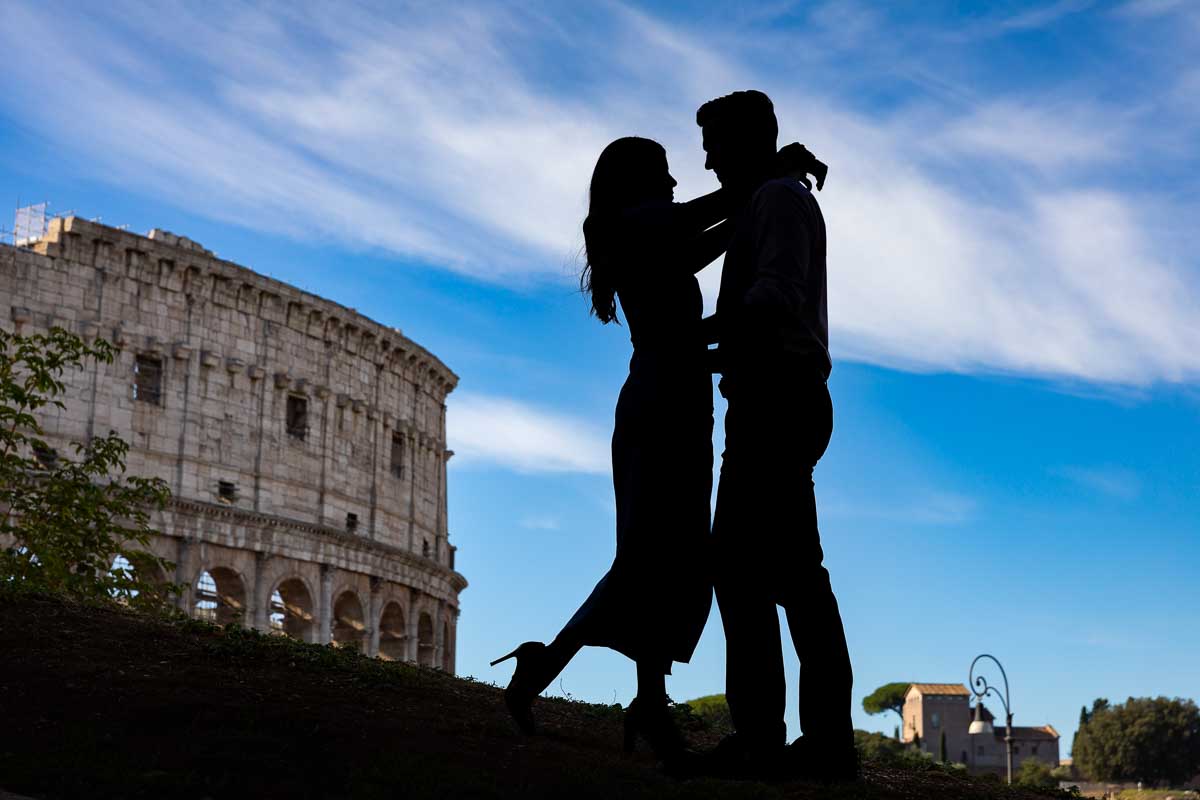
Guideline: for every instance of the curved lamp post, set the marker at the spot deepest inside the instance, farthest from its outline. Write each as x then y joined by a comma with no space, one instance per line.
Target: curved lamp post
980,688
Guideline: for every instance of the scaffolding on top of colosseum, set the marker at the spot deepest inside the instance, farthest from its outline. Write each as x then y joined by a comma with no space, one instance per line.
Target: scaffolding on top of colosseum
30,224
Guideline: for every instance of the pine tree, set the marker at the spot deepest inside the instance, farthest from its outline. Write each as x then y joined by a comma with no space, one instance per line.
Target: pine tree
897,733
942,748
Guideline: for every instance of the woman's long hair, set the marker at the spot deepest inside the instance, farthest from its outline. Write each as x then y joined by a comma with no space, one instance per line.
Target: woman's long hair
624,175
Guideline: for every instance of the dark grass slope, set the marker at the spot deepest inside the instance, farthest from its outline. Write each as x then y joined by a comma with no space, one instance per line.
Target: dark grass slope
98,702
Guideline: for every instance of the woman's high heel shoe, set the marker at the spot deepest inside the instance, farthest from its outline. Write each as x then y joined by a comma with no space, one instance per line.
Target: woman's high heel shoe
525,684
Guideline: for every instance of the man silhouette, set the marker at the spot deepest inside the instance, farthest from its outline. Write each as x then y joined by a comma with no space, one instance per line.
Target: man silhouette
772,334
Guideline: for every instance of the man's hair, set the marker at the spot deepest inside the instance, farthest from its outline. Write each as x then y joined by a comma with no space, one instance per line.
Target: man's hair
747,116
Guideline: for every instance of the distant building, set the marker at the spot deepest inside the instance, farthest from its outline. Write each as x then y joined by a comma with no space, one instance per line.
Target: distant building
933,708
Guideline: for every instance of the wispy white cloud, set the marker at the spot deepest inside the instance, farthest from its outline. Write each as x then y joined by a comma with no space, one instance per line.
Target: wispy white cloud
1117,482
502,432
935,507
1156,8
541,522
1046,136
1043,15
846,24
1111,640
944,508
976,235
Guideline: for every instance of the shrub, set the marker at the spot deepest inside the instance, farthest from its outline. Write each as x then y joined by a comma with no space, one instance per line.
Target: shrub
713,711
1035,775
877,747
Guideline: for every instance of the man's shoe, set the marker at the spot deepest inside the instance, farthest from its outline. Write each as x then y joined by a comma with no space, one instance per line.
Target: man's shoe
653,722
736,758
809,760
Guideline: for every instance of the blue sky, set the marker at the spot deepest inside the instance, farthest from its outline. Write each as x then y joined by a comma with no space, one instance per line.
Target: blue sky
1013,281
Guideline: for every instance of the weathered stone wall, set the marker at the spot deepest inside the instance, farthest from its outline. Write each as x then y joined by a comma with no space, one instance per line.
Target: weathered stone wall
951,714
234,346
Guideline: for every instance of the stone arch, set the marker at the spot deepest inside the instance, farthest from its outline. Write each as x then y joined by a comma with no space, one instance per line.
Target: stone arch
219,596
447,650
145,566
425,641
291,610
393,633
349,626
278,568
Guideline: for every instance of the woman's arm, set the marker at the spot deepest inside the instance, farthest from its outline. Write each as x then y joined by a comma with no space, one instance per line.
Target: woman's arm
707,210
710,329
702,213
707,247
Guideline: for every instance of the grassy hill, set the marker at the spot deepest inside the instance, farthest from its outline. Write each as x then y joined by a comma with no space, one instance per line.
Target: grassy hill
99,702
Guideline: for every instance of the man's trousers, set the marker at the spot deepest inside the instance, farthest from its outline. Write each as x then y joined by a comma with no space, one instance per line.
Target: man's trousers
768,553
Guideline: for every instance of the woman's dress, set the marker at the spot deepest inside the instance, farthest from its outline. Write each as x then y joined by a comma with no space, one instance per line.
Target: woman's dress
653,603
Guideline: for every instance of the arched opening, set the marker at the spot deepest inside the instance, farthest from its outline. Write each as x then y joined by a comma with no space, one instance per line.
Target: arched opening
220,596
121,565
425,641
349,629
292,610
140,567
447,653
393,636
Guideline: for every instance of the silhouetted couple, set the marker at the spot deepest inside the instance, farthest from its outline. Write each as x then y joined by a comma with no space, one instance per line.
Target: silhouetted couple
763,549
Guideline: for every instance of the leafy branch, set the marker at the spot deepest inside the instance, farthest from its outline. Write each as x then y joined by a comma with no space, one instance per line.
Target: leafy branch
65,518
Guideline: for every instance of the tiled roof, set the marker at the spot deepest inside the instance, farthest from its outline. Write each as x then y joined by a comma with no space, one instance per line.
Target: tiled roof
940,689
1042,732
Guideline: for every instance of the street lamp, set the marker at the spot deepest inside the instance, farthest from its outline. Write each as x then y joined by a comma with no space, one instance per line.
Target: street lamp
980,688
979,724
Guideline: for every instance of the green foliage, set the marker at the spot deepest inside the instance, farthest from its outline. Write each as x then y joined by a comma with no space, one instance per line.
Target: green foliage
1061,773
65,518
877,747
1035,775
713,710
942,757
1148,739
889,697
880,749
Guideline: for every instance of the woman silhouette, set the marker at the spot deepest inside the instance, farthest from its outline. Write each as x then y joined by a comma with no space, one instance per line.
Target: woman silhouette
644,249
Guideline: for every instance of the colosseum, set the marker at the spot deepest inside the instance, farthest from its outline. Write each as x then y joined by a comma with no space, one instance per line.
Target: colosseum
304,444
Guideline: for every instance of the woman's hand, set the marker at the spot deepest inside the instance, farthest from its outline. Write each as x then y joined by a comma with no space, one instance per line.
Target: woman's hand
795,161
